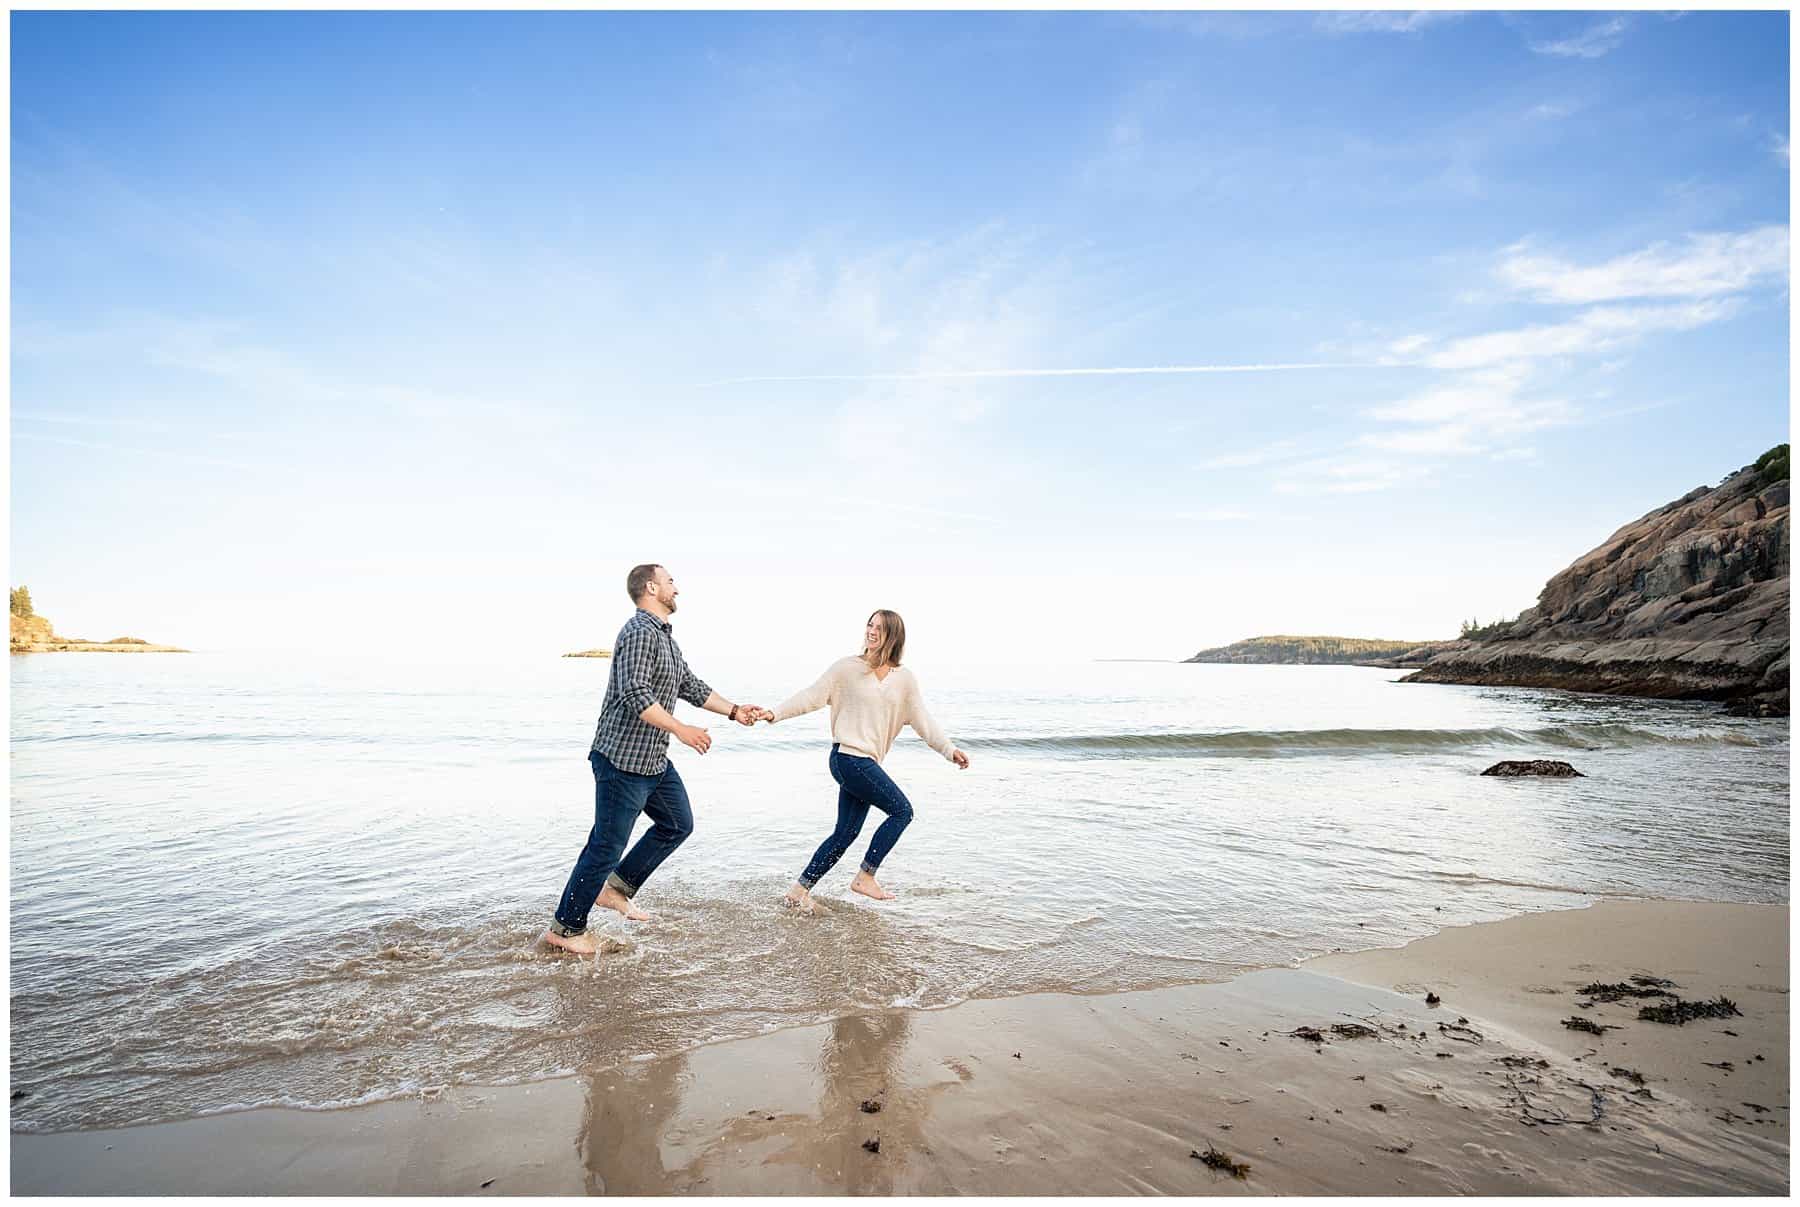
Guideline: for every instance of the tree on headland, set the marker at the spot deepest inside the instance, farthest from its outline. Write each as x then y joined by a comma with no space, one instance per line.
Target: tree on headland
1773,465
21,602
1474,630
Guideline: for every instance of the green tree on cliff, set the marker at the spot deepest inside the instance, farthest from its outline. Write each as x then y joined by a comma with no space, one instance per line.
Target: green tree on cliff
21,601
1773,465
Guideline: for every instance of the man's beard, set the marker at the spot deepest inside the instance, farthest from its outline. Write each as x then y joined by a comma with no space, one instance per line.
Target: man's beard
671,606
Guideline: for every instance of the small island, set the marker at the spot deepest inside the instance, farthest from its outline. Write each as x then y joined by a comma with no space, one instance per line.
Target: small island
590,654
34,634
1309,651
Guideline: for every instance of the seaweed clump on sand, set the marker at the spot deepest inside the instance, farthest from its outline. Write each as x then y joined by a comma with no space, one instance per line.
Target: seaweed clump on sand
1341,1030
1619,990
1680,1011
1592,1028
1212,1158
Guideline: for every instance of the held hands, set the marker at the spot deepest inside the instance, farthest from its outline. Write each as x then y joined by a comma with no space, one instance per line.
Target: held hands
750,714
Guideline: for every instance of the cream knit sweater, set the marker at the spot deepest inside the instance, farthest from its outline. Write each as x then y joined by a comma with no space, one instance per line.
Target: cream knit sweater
866,712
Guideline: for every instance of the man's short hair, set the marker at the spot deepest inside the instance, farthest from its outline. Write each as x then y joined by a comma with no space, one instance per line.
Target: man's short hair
638,581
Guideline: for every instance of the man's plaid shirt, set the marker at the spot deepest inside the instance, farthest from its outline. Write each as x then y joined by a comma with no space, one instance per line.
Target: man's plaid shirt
647,668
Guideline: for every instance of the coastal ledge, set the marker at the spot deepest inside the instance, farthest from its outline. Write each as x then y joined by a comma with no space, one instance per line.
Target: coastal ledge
590,654
1486,1093
35,634
1687,602
124,645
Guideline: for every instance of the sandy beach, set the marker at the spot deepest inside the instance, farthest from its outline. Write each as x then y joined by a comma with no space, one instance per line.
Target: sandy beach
1484,1093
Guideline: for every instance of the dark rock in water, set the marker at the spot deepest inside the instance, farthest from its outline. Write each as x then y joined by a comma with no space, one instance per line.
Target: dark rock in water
1769,704
1432,999
1517,767
870,1106
1688,602
873,1145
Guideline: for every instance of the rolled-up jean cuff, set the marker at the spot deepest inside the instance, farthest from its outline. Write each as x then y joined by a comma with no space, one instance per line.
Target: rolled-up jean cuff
870,868
806,884
557,927
629,889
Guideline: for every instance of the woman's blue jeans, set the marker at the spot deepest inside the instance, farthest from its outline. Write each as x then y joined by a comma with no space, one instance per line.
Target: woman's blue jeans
861,784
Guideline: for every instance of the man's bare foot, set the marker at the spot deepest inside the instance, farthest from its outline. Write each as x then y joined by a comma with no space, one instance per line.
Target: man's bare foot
801,900
865,884
582,944
613,899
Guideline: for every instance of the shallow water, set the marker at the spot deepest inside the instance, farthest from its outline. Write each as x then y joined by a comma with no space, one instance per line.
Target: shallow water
240,882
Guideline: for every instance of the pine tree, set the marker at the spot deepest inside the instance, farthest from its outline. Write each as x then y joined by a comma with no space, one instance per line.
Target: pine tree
21,602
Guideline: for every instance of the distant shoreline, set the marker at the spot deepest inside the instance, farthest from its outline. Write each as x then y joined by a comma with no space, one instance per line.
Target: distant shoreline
96,647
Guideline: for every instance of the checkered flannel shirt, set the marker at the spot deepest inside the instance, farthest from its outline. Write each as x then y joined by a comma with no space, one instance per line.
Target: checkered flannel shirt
647,668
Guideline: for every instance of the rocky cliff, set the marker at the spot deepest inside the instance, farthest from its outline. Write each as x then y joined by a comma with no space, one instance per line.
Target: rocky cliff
1687,602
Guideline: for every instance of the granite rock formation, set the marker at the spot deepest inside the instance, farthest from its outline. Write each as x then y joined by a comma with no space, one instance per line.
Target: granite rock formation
1687,602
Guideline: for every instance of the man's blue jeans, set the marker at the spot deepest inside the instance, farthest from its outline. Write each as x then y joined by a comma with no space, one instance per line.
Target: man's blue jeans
619,796
861,783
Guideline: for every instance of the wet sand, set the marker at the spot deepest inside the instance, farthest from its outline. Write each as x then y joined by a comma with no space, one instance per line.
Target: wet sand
1484,1093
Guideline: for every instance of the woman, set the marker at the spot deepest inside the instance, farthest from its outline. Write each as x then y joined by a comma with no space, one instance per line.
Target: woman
871,697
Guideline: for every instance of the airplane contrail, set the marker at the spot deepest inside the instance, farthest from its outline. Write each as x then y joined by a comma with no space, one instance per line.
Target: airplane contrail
1106,372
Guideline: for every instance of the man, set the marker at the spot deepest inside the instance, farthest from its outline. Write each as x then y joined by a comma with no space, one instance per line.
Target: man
630,758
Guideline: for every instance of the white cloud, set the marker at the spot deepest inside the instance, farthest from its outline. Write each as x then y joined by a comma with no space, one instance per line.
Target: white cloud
1469,414
1353,474
1551,111
1591,43
1214,515
1596,330
1280,450
1384,22
1704,266
1778,143
153,454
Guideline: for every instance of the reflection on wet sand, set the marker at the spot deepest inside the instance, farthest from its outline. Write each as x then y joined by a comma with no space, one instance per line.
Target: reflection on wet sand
1111,1094
792,1104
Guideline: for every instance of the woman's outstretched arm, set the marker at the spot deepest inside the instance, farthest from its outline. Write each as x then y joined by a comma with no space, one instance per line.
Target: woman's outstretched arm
807,699
927,727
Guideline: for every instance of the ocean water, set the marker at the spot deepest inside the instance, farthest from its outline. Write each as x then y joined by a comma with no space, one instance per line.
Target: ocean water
242,882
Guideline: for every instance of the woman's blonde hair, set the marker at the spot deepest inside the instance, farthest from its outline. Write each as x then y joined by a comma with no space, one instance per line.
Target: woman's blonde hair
893,639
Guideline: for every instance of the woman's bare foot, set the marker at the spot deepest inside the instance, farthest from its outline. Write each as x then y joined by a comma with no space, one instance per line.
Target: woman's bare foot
582,944
865,884
613,899
801,900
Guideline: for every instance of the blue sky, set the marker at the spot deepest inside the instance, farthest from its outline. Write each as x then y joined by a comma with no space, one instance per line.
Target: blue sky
329,327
